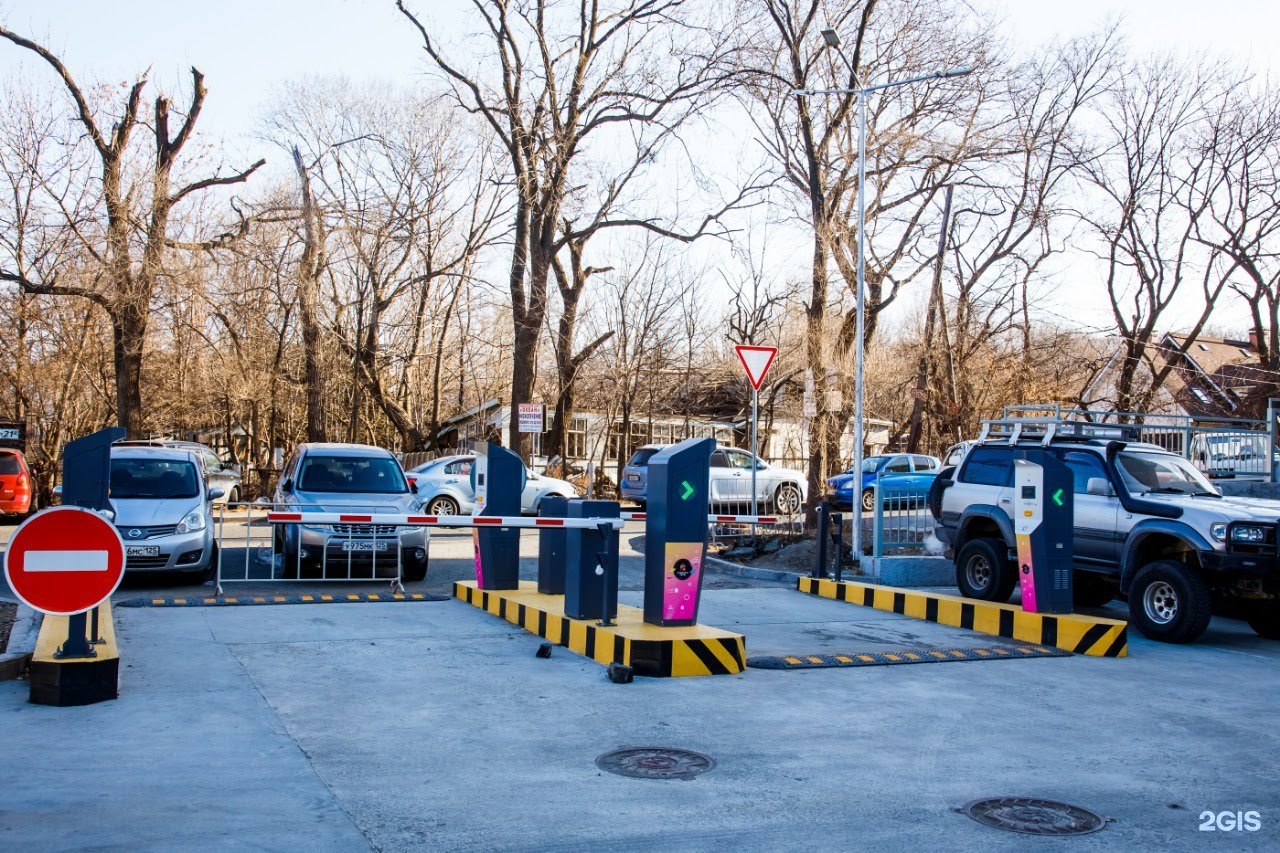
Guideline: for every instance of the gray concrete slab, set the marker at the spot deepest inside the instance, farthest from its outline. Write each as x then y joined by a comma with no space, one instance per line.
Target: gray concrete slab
409,726
189,757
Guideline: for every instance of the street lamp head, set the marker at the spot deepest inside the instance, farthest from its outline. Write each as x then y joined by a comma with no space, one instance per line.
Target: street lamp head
831,38
956,72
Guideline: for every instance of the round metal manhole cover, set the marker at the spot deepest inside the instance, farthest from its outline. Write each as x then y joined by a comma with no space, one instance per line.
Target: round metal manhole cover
655,762
1034,816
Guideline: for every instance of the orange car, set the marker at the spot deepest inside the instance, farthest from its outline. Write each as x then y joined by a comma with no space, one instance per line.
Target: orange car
15,483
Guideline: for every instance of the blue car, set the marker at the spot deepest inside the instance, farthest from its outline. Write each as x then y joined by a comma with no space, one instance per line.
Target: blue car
901,475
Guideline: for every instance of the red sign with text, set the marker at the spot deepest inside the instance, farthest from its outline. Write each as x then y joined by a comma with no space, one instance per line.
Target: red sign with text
64,560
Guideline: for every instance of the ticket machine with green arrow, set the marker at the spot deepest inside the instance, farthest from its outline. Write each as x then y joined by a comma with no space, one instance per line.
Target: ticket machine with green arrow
676,531
1044,530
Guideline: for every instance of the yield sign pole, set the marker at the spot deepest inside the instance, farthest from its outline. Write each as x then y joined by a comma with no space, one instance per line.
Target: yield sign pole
756,361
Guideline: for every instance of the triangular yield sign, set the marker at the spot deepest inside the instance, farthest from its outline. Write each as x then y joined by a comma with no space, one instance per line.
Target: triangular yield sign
756,361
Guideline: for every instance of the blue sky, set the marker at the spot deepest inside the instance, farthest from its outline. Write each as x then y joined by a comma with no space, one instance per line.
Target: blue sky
245,48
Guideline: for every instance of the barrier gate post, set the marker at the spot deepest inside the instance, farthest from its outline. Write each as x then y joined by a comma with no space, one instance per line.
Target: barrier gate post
497,479
588,595
86,480
676,531
1043,525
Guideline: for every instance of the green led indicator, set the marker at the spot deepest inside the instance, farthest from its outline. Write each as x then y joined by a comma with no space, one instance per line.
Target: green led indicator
688,491
1057,497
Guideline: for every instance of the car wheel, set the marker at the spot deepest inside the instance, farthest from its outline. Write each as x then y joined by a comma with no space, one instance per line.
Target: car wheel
1091,590
787,499
868,500
1265,621
1169,602
442,505
984,572
210,571
233,496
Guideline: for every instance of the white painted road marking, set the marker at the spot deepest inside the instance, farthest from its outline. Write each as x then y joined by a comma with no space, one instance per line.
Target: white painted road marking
65,561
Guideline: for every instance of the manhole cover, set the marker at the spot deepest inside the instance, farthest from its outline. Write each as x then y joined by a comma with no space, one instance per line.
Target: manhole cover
655,762
1034,816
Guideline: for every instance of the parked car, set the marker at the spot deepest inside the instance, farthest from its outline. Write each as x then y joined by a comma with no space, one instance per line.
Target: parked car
1148,525
162,508
16,497
325,477
902,476
782,488
445,487
1237,455
216,474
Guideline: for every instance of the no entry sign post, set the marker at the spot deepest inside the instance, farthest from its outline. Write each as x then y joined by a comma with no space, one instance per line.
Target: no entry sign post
66,561
756,361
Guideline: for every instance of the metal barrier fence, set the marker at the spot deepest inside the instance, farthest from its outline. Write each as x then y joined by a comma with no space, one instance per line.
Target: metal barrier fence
351,551
901,520
1223,448
343,542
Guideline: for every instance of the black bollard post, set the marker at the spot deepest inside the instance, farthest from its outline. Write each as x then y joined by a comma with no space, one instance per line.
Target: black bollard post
820,565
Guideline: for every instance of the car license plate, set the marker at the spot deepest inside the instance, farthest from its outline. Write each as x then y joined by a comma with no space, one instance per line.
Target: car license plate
142,551
634,478
365,546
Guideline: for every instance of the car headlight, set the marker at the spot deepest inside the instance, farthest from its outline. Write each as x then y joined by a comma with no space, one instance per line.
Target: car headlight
193,522
1248,533
1218,530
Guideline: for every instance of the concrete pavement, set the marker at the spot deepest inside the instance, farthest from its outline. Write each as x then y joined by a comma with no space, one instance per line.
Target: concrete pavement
399,726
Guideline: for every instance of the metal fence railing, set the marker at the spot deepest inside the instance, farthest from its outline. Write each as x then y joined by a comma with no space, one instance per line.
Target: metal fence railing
1223,448
901,520
252,550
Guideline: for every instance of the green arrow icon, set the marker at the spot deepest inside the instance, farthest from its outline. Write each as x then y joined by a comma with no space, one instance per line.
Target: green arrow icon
1057,497
688,490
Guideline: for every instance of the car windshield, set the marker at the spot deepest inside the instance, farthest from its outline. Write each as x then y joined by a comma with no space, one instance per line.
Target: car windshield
370,475
1161,473
153,479
9,464
641,458
870,466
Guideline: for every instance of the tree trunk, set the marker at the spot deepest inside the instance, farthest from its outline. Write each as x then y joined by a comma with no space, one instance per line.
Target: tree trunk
128,328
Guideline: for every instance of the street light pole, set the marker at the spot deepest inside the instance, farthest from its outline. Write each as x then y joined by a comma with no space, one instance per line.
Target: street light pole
832,39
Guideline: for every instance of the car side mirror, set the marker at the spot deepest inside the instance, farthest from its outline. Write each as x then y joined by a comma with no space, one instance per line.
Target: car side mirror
287,485
1101,487
215,493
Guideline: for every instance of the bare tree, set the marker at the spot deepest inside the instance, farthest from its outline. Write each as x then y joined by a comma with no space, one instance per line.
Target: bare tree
1152,179
567,77
128,243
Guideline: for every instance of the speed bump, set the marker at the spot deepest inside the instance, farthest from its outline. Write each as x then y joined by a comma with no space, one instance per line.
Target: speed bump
904,656
249,600
648,649
1083,635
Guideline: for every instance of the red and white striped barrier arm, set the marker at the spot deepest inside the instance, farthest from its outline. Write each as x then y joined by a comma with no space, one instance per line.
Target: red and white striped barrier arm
720,519
438,520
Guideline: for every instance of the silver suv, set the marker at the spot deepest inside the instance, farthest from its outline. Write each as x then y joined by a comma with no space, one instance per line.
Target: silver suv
348,478
1147,525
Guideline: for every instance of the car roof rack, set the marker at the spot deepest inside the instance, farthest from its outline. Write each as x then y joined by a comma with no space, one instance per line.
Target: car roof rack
1047,430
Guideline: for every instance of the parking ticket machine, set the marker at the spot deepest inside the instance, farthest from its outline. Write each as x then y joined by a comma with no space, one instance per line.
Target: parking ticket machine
1043,526
676,531
497,478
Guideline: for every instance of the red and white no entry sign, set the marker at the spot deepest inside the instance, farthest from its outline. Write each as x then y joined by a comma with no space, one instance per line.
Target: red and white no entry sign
64,560
756,361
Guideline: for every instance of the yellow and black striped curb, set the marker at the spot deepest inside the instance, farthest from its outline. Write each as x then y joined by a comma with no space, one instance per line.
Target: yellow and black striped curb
74,681
647,649
249,600
904,656
1083,635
